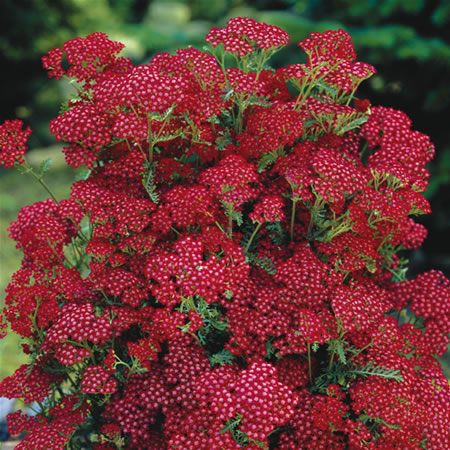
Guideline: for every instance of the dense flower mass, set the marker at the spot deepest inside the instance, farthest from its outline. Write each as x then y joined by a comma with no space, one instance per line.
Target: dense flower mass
13,142
227,274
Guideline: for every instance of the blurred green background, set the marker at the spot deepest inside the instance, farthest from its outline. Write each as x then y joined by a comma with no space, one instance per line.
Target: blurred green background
408,41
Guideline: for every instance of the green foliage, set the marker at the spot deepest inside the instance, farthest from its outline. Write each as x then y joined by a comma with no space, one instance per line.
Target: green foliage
232,425
349,122
342,373
264,262
370,370
336,346
271,350
149,184
276,233
231,213
269,158
44,167
213,334
223,357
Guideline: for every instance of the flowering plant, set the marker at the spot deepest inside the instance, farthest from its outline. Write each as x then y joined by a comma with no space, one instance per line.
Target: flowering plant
227,273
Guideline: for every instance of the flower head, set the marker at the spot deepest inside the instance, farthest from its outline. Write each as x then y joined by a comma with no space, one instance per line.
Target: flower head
13,143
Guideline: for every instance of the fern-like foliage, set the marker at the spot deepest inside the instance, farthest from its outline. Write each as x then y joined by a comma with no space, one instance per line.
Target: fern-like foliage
223,357
371,370
277,235
265,262
269,158
232,425
235,216
368,420
342,373
149,183
336,346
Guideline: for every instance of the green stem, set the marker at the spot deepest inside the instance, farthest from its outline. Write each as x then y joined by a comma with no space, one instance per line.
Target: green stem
252,237
363,157
314,212
216,223
238,123
175,230
150,140
309,362
230,227
71,380
44,185
330,365
351,95
294,202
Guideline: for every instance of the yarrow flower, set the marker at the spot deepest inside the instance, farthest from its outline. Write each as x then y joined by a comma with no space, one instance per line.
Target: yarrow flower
269,209
13,143
243,35
227,273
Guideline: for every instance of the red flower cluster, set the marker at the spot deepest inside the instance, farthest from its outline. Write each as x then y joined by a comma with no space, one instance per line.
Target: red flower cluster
241,36
13,142
227,276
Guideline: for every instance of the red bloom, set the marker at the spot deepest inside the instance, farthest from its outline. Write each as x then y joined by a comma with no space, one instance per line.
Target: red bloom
269,209
226,274
243,35
97,380
13,142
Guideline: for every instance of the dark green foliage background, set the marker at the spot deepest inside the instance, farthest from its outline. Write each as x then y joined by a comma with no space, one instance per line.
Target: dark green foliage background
408,41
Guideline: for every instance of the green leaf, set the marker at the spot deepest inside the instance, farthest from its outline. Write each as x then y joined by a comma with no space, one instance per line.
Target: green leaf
231,424
337,346
45,165
277,235
352,125
271,350
340,351
223,357
83,175
230,212
23,168
370,370
327,88
150,187
266,263
364,418
266,160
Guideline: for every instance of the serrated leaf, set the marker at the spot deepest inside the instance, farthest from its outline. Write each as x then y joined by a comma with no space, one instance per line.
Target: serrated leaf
231,423
223,357
22,168
230,212
329,89
352,125
149,185
340,351
271,350
277,235
370,370
266,264
45,165
266,160
83,175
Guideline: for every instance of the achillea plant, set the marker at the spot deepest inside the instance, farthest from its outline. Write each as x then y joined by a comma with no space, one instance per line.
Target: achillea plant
227,275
